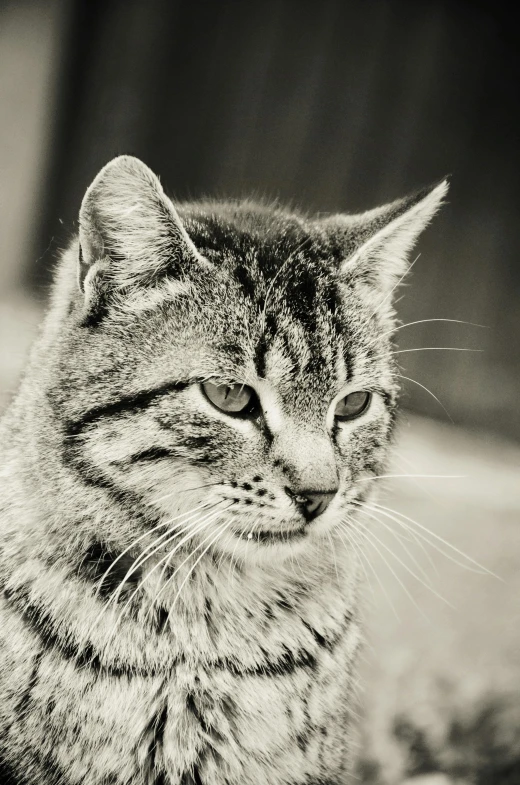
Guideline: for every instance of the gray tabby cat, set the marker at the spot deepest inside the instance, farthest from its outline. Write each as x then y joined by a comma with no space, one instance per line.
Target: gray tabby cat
212,392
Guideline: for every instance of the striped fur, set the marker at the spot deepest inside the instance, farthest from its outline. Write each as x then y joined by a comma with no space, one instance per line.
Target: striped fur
167,616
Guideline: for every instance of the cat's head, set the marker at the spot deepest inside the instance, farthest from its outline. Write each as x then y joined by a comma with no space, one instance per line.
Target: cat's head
232,359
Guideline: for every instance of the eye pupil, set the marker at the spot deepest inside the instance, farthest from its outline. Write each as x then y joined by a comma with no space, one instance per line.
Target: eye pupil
352,405
237,399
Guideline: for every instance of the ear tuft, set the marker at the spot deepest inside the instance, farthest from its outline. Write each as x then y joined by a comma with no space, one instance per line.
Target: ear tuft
378,242
130,226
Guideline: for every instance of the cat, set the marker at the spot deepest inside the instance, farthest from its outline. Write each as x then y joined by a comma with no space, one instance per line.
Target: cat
212,391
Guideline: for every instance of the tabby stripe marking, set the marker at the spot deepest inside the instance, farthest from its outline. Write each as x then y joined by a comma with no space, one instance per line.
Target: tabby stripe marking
331,643
151,454
159,724
53,774
209,730
191,777
129,403
108,569
318,781
7,775
90,474
283,666
26,697
41,624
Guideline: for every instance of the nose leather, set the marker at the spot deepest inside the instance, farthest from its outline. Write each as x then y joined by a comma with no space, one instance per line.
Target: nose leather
312,503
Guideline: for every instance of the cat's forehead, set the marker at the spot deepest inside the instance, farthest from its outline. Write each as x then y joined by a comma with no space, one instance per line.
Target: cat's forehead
282,280
259,237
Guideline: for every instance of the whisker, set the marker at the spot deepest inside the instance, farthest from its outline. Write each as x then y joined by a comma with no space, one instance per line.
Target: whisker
416,476
373,539
169,495
224,552
206,549
417,537
481,568
296,562
423,386
197,528
436,349
170,555
156,545
403,564
139,561
139,539
231,561
436,547
358,553
359,535
189,532
400,539
198,487
424,321
424,533
333,556
410,465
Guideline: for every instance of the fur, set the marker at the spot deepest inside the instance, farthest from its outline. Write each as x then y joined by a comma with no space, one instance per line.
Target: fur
167,616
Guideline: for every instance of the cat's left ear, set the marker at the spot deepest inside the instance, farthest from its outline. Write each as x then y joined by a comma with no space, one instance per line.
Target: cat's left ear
129,231
377,243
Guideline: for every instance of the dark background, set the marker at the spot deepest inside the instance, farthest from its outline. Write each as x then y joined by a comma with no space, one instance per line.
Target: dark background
331,105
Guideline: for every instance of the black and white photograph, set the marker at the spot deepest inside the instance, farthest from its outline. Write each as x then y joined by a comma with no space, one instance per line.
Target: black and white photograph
259,383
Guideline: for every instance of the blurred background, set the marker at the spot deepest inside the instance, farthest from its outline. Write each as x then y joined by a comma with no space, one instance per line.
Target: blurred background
331,105
337,105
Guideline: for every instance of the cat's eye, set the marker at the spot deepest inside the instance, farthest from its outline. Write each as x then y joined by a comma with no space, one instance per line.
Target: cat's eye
352,405
235,399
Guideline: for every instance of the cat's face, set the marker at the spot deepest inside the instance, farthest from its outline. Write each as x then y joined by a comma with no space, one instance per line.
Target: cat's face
240,359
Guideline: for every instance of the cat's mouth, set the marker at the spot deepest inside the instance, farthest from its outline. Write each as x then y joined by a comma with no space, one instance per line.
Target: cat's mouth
267,536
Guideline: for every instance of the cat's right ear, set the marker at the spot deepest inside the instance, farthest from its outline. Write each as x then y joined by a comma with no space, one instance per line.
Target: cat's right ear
375,245
130,234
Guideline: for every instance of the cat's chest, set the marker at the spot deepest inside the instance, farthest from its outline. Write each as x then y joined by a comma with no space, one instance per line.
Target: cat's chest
268,701
281,720
278,717
247,681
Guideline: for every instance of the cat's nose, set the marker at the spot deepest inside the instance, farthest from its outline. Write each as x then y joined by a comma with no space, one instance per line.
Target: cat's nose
312,503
